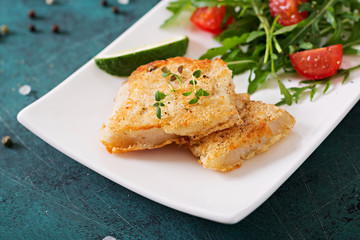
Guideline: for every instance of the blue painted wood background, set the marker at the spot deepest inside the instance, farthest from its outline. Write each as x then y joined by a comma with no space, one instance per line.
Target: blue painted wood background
46,195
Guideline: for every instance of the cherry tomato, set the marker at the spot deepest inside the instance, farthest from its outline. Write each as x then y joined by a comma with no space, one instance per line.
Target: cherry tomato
210,19
288,11
318,63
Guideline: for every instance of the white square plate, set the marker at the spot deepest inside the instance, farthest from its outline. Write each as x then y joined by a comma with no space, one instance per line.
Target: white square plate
70,117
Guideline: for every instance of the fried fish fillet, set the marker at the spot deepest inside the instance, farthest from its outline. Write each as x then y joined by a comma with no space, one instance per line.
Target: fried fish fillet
264,124
134,125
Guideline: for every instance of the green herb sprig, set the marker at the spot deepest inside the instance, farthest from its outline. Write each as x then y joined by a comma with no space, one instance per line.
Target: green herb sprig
313,85
198,93
160,96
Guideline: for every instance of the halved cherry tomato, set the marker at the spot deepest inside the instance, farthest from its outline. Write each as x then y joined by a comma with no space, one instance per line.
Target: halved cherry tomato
210,19
318,63
288,11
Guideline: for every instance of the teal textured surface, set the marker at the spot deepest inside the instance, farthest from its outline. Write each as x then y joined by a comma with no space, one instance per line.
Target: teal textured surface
46,195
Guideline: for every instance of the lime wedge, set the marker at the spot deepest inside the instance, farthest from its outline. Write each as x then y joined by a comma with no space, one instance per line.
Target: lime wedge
123,64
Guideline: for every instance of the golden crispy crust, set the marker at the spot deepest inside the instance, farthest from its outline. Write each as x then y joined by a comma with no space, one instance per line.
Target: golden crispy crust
211,113
264,124
178,116
136,147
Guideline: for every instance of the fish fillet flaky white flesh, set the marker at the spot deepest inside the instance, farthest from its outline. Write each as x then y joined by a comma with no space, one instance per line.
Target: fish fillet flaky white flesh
134,125
264,124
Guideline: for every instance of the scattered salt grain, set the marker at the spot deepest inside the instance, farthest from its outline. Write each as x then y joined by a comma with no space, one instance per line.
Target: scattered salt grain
109,238
124,2
49,2
25,90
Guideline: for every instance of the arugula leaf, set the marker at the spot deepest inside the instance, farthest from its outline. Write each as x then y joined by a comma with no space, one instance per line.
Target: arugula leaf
286,29
314,17
177,8
285,92
260,77
227,45
305,45
351,51
346,77
253,35
241,65
247,24
328,83
312,93
256,42
304,7
354,37
336,36
330,17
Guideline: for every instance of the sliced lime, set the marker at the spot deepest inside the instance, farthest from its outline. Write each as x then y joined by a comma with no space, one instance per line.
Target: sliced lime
123,64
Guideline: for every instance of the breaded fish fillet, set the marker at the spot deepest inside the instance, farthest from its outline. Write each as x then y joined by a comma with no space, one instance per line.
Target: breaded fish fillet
264,124
134,124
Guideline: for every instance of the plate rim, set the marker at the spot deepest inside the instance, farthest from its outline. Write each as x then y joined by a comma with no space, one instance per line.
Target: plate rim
22,117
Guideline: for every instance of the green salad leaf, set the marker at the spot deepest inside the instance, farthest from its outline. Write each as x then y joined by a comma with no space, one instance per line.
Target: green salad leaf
255,42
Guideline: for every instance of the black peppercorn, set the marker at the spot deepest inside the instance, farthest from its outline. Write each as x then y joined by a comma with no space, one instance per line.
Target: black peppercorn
31,14
7,141
104,3
180,69
32,28
55,28
115,9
